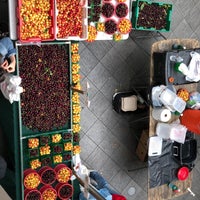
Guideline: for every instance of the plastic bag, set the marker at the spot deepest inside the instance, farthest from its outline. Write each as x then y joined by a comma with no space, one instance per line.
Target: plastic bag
11,88
194,101
194,68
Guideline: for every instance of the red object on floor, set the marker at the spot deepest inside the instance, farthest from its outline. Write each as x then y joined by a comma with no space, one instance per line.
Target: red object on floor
191,119
118,197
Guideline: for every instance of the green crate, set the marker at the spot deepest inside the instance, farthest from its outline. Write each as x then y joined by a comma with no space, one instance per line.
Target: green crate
136,12
25,131
9,123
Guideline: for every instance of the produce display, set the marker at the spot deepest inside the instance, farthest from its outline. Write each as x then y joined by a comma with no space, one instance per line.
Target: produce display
121,10
70,19
104,17
110,26
108,10
65,191
124,26
45,103
36,20
152,16
47,155
32,194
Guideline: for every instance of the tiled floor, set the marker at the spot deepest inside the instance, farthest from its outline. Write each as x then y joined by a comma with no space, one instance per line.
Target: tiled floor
108,139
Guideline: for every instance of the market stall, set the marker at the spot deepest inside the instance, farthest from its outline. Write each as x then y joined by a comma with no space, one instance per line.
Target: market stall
160,189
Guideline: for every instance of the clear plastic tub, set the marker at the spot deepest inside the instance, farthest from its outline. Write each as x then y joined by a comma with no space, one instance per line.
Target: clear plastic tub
172,101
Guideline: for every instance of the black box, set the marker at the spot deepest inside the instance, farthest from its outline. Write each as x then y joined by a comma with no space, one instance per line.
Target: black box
164,68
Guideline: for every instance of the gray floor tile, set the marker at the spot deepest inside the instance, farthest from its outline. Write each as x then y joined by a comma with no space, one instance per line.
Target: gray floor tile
97,159
112,60
185,6
192,15
183,30
88,61
110,169
110,87
109,118
122,132
176,19
98,132
124,48
135,195
87,119
82,46
99,75
139,173
122,156
100,48
99,104
123,76
110,144
89,147
120,181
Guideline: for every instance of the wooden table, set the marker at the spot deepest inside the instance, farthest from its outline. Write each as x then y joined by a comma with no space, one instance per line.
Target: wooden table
164,192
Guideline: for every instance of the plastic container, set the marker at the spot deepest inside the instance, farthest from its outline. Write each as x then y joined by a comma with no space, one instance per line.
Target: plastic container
183,173
48,175
64,191
124,26
175,132
70,30
110,26
163,130
108,10
38,37
63,173
121,10
48,192
171,101
185,153
31,179
32,194
136,13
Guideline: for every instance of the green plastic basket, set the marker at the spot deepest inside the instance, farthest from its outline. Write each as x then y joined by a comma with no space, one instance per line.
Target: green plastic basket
136,13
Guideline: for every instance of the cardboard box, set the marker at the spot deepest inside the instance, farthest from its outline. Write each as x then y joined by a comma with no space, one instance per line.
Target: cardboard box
3,194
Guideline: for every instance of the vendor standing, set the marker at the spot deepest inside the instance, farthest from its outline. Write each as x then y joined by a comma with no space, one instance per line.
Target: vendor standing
7,55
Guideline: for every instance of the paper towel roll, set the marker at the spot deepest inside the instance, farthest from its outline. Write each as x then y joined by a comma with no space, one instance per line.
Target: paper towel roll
161,114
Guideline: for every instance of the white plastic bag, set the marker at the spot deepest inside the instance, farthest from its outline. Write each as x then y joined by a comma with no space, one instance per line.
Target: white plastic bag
194,68
11,88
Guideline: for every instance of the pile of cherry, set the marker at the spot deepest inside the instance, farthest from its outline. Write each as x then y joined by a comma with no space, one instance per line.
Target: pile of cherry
45,102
